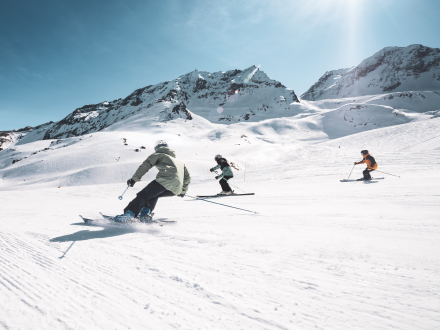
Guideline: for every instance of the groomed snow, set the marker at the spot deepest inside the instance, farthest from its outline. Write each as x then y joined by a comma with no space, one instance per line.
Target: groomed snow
320,253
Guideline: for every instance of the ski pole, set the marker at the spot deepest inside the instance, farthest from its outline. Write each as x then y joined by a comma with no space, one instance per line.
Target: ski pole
201,199
120,197
231,183
387,173
67,250
351,171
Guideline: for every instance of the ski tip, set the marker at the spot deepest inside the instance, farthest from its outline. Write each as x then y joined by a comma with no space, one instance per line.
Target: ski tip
85,219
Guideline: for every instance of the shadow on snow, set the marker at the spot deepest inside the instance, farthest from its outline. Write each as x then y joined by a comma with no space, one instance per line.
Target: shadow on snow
84,235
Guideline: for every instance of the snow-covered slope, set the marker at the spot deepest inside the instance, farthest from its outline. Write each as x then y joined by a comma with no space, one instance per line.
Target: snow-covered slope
109,156
320,253
392,69
24,135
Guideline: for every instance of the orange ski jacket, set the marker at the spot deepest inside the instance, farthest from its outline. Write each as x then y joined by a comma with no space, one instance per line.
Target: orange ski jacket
370,161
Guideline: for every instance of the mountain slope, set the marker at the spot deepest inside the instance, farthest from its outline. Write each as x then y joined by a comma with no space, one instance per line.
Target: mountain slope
23,135
392,69
231,96
239,113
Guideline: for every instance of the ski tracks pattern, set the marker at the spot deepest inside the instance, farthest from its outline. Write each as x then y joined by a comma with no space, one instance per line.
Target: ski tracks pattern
37,286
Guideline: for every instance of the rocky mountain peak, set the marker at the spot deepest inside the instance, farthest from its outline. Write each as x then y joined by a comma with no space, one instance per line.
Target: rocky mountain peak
392,69
234,95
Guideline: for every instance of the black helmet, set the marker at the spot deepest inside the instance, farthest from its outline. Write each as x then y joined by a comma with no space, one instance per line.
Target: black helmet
217,157
364,152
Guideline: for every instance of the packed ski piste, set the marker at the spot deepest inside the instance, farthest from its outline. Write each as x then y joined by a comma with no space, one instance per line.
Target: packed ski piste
173,180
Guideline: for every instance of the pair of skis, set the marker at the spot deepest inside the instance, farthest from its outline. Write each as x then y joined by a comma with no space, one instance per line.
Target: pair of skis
230,195
160,222
345,180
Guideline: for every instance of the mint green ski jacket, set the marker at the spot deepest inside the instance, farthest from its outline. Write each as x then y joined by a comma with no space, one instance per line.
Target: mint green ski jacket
172,175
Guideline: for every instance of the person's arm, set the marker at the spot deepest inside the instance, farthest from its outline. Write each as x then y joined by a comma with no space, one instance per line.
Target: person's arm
186,181
145,167
215,168
219,177
362,161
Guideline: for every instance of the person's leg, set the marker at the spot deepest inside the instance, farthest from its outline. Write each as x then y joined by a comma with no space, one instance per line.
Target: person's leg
151,203
225,185
146,197
135,205
145,215
367,175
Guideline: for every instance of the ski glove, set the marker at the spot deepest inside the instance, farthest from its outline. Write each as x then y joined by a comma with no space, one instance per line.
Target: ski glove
217,177
355,163
181,195
131,183
212,170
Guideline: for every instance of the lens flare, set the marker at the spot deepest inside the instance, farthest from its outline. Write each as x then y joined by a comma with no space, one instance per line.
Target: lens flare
250,75
219,109
232,96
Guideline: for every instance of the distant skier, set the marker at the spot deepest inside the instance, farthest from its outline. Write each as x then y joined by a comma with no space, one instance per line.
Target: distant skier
371,164
173,179
225,176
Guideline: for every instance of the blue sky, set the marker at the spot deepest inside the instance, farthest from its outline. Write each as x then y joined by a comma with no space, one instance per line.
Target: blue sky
56,56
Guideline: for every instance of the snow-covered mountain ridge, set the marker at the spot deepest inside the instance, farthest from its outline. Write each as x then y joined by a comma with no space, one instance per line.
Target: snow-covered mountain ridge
109,156
11,137
392,69
232,110
229,96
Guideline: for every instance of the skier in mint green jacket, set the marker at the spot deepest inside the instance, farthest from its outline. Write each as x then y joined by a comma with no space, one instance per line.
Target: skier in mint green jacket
172,179
225,176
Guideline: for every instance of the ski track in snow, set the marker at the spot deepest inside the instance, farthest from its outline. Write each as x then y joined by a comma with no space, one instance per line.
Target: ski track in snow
321,254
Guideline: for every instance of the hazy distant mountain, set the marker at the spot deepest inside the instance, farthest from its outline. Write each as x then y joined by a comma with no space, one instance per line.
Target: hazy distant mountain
392,69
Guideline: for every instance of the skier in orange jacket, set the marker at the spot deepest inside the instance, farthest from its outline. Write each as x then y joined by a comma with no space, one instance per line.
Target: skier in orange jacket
371,164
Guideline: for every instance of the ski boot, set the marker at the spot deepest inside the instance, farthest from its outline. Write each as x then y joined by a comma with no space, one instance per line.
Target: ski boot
224,193
127,216
145,215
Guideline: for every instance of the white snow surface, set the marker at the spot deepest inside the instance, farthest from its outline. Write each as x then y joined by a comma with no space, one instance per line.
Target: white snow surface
320,254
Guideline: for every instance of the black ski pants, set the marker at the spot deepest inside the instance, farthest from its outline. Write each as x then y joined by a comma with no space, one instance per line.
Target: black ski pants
367,175
148,197
225,184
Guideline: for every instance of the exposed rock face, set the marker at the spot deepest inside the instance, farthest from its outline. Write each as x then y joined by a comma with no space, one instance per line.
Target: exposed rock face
392,69
198,91
8,137
179,111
